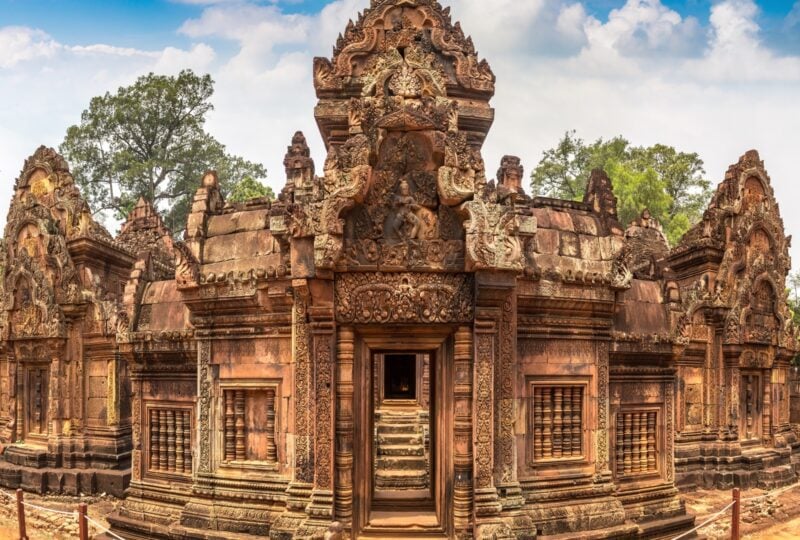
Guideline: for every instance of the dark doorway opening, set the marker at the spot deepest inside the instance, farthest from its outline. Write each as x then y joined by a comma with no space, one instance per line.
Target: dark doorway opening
400,376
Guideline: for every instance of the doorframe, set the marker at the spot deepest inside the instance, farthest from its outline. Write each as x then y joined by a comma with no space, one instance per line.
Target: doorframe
439,341
27,407
758,415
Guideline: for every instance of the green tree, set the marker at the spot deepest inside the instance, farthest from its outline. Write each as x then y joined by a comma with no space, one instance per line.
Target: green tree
149,140
793,284
250,188
637,190
669,183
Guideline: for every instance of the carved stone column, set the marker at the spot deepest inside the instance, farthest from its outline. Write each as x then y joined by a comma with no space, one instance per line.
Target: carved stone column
345,427
300,488
112,394
718,382
205,379
21,406
54,406
505,400
766,414
136,412
462,502
498,495
602,465
732,378
80,398
669,425
321,509
487,502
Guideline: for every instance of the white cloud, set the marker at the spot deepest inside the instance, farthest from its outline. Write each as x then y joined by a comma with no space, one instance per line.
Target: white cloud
793,19
571,20
45,85
736,51
20,44
172,60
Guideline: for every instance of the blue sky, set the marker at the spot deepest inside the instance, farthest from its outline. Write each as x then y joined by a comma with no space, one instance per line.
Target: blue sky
154,22
717,77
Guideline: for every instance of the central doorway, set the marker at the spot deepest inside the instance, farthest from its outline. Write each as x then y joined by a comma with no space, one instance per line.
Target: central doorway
403,474
402,451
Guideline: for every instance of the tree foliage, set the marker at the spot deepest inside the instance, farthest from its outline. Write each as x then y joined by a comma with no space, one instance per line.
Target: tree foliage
669,183
793,286
250,188
149,140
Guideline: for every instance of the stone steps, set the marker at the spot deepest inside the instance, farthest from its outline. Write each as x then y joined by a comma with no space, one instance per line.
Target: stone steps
400,438
398,429
402,463
401,479
400,450
775,477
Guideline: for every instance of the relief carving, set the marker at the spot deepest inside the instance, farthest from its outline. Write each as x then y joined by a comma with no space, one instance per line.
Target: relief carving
484,359
403,298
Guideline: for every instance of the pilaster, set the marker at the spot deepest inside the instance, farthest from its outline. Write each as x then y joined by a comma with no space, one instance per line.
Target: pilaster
321,509
463,388
345,426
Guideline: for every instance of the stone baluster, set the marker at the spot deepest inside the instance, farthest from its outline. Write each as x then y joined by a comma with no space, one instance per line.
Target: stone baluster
537,424
627,444
749,406
187,437
643,442
636,463
230,432
163,460
170,440
651,442
577,417
566,437
272,449
238,406
619,450
557,421
547,424
154,442
179,441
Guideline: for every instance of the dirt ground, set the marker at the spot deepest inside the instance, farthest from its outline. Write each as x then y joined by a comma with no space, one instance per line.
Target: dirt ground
773,517
43,525
764,518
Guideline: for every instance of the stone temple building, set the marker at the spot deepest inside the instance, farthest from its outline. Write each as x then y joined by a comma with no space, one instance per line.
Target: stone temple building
400,346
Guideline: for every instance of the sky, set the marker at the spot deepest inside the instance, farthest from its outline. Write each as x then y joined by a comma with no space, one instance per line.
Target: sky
716,77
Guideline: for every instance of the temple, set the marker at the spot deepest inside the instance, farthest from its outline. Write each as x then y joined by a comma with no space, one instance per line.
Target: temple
400,346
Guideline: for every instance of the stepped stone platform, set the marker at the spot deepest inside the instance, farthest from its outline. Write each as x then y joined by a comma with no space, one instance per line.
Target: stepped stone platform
401,462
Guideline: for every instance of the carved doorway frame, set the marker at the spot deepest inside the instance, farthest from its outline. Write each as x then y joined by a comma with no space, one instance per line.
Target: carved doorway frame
44,395
439,342
755,378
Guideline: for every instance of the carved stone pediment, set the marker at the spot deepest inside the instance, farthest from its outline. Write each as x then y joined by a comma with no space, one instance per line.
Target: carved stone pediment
383,298
31,303
744,222
404,151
